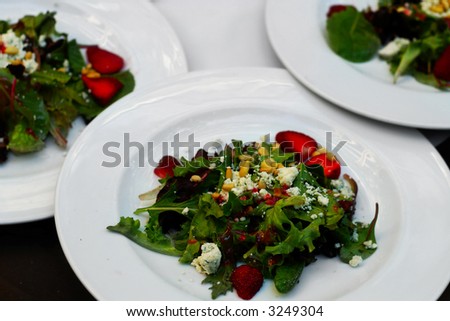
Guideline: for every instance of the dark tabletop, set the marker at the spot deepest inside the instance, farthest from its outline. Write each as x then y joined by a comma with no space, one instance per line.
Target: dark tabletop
33,265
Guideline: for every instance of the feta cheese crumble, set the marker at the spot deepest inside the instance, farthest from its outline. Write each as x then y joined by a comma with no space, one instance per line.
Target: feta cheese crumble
208,262
14,52
355,261
370,245
287,175
393,48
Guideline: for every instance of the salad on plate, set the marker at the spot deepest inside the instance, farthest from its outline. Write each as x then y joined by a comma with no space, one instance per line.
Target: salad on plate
251,212
412,36
48,80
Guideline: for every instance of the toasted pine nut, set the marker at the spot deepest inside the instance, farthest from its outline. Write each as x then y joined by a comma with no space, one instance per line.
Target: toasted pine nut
228,173
227,187
11,50
195,179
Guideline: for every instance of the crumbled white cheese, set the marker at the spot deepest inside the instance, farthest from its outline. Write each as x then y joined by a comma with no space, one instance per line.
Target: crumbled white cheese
241,184
208,262
323,200
355,261
370,245
263,192
185,210
266,178
9,39
393,48
287,175
293,191
342,188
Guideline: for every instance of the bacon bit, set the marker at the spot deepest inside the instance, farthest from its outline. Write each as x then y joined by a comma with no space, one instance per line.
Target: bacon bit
277,192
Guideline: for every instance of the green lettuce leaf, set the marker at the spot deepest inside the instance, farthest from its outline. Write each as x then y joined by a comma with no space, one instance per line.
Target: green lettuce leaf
351,36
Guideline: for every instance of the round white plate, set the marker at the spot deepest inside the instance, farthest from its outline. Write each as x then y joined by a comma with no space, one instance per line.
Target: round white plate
137,32
110,164
298,35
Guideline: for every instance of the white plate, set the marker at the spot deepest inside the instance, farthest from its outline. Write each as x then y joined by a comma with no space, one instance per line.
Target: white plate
137,32
412,229
297,32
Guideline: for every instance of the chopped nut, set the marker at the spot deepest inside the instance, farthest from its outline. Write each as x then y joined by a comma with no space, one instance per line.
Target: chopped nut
245,158
228,187
29,55
196,179
16,62
243,171
228,173
262,151
11,50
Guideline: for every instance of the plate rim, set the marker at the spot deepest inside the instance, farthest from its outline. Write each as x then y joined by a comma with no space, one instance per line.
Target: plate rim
342,100
30,213
178,84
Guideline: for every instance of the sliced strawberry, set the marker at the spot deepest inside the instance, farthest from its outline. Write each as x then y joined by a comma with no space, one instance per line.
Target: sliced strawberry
103,89
336,8
165,166
104,61
247,281
331,166
295,142
442,66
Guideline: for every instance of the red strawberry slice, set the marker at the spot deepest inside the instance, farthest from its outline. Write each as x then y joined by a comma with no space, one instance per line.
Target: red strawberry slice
103,89
104,61
295,142
442,66
336,8
247,281
165,166
331,166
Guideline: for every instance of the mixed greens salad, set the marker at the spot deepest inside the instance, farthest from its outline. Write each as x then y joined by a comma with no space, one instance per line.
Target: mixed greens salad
412,36
45,83
253,211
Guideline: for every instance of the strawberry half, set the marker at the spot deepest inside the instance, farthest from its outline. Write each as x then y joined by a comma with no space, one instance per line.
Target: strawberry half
165,166
103,89
442,66
104,61
331,166
295,142
247,281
